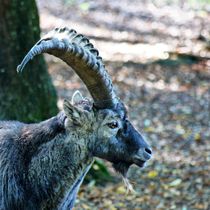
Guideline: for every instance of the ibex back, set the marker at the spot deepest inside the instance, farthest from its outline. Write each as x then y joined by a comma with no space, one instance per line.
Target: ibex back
42,165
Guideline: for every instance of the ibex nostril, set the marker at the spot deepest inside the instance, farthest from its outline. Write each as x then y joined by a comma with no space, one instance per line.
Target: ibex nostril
148,150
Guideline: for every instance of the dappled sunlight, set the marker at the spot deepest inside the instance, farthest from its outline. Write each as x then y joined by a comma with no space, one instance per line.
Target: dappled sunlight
137,53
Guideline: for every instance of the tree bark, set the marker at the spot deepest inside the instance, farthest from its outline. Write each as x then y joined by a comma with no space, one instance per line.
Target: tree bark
29,96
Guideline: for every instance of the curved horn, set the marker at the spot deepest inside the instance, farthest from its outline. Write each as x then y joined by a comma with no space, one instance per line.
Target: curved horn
76,50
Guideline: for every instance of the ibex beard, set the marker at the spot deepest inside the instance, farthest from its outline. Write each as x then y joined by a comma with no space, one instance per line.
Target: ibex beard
43,165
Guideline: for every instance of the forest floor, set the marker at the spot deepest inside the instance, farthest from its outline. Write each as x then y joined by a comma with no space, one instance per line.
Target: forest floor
158,56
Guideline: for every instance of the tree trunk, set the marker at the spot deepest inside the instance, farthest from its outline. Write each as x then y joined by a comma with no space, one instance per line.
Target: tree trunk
29,96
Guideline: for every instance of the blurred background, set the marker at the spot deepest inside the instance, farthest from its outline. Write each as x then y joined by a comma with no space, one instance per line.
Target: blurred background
158,55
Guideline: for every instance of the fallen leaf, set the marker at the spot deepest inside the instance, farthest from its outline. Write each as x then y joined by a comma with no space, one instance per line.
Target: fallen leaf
152,174
175,183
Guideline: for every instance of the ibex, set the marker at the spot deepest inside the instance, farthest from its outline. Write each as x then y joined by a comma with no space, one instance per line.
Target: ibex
43,165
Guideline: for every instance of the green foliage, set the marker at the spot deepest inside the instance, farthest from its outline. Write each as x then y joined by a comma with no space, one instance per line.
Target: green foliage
196,2
70,2
84,6
99,173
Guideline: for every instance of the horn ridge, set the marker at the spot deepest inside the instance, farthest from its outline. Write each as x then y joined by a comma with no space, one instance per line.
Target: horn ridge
79,53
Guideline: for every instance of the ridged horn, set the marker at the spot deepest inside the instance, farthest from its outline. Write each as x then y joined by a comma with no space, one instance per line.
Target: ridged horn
77,51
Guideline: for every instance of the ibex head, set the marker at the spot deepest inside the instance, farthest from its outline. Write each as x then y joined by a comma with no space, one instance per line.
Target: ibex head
116,140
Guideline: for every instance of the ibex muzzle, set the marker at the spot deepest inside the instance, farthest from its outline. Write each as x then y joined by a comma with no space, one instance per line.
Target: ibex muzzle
143,151
42,165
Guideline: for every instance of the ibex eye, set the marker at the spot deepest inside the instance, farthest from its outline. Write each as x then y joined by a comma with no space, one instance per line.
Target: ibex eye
113,125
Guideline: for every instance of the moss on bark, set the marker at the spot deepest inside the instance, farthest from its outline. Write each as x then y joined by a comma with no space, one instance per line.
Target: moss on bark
29,96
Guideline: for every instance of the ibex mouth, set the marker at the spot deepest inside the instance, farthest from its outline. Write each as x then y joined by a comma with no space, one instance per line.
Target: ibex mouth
139,162
121,167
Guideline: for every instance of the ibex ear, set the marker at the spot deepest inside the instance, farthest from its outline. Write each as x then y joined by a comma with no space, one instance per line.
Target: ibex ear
76,98
73,114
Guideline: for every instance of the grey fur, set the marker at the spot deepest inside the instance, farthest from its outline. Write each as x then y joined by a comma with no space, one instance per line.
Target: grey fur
43,165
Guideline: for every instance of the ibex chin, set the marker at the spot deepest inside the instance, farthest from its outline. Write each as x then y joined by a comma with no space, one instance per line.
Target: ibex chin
43,165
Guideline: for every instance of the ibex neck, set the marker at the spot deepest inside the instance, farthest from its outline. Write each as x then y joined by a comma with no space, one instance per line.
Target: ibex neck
69,199
59,168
